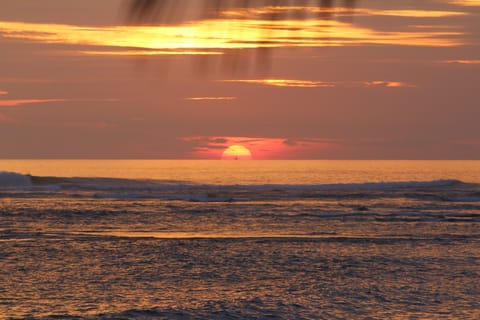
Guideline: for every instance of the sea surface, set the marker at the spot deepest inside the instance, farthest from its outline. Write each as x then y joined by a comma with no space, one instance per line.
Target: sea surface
164,239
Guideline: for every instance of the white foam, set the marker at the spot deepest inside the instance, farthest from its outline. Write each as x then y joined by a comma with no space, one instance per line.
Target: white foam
14,180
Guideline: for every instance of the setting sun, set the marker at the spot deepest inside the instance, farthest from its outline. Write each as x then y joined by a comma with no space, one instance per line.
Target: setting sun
236,152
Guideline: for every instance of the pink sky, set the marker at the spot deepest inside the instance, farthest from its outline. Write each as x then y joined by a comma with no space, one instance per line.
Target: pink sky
383,80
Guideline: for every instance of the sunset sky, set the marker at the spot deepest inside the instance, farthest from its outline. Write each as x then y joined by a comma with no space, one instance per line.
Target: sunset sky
380,80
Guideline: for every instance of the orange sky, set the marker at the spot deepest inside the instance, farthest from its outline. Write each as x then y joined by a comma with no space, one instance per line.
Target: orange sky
382,80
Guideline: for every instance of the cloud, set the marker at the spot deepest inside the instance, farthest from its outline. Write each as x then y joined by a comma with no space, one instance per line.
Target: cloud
3,92
388,84
20,102
210,98
324,84
282,11
413,13
214,36
466,3
463,61
129,53
287,83
219,140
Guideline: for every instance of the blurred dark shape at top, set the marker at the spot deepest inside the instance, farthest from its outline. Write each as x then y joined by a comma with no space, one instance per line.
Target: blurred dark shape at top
170,12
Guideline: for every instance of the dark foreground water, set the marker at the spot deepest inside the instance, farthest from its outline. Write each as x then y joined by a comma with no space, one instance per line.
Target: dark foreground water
123,249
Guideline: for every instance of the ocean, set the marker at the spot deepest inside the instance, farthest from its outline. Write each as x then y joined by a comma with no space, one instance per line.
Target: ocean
166,239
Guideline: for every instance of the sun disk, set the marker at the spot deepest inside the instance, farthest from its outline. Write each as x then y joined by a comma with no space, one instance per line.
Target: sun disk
236,152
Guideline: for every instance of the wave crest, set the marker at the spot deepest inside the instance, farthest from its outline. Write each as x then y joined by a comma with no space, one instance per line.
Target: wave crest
14,180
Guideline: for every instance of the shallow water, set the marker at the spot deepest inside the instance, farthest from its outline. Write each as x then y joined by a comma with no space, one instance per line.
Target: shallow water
182,248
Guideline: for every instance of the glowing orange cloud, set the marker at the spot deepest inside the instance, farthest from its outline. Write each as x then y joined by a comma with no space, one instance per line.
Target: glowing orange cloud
323,84
210,98
388,84
287,83
3,92
466,3
286,10
260,147
463,61
143,52
20,102
413,13
222,34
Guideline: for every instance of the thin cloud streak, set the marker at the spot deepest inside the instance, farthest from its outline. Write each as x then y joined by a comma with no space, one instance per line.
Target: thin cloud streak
323,84
466,3
287,83
388,84
338,12
3,92
463,61
210,98
21,102
413,13
129,53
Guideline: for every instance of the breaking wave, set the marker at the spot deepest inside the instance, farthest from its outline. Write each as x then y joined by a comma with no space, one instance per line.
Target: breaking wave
14,180
18,185
11,179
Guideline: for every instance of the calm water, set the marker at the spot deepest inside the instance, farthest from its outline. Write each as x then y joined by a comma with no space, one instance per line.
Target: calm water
240,239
